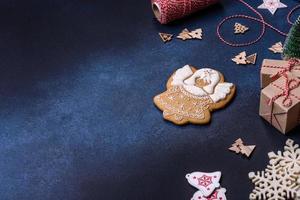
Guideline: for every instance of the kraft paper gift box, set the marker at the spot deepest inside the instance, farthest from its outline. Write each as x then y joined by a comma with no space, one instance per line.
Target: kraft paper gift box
273,69
279,106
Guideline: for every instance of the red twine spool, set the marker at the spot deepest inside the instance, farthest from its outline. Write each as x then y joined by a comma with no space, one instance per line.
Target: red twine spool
169,10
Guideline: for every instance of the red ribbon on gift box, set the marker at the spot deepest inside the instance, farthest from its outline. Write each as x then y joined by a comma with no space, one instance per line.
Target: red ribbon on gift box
290,84
292,63
291,66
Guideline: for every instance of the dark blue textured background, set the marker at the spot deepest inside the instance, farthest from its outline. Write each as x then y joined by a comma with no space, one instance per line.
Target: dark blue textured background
77,120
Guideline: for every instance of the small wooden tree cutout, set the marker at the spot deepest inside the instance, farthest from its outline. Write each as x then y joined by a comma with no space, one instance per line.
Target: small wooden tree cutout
196,34
239,28
239,147
184,35
243,59
247,150
240,59
277,48
251,59
187,35
165,37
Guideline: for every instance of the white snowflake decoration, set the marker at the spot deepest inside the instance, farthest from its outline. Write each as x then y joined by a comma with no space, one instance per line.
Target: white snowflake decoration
281,178
288,160
274,184
272,5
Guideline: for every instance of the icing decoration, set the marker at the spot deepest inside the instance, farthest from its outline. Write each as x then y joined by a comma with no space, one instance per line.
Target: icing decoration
221,91
208,75
218,194
194,90
206,183
187,79
174,104
272,5
192,95
181,74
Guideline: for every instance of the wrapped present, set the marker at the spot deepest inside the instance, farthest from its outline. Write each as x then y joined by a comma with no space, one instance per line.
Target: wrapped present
280,102
273,69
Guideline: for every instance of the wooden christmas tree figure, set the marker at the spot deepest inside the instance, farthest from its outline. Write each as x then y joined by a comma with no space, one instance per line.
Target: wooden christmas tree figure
291,47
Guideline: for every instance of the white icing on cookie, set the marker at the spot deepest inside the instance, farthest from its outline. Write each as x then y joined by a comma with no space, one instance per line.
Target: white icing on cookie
221,91
194,90
186,78
181,74
210,76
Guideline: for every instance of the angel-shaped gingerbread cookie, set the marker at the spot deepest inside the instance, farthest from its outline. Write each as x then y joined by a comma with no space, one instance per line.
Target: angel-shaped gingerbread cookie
193,94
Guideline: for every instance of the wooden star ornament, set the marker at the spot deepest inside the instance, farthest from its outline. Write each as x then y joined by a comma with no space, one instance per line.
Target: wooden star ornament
272,5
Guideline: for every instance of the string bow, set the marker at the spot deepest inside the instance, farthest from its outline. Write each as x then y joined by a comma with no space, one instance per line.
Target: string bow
292,63
289,86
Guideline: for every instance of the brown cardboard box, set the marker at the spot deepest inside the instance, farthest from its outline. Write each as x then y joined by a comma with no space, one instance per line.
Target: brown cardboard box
283,117
272,69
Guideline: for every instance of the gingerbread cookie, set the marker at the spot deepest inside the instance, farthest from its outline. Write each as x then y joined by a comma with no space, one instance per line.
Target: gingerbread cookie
193,94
